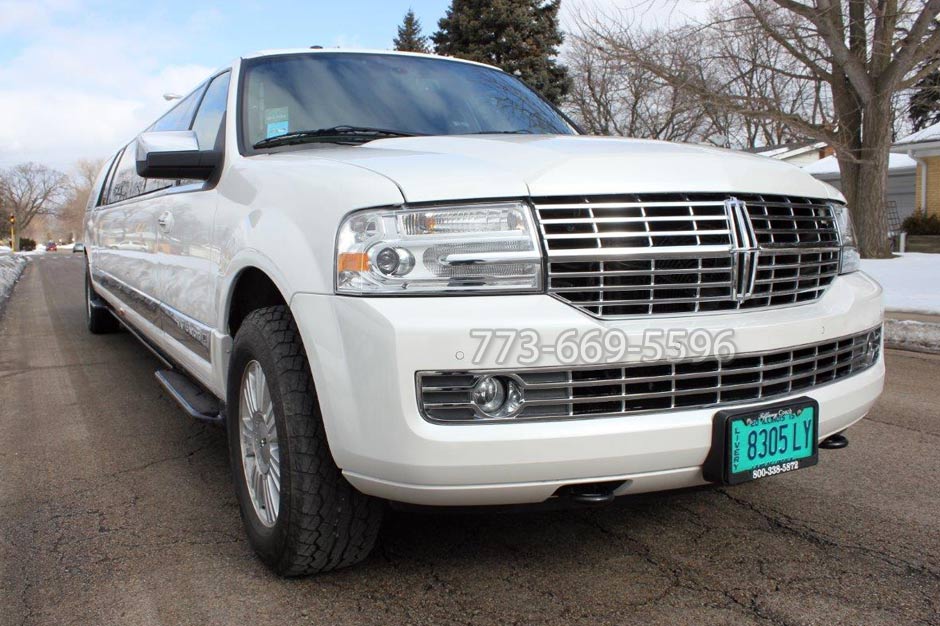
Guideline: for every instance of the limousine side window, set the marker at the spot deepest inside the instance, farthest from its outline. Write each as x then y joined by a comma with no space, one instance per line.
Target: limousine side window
102,197
126,183
208,120
180,116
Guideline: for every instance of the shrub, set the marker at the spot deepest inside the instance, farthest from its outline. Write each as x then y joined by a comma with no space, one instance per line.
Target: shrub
27,244
919,223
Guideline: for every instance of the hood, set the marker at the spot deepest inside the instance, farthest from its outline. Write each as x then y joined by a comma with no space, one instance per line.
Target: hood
429,169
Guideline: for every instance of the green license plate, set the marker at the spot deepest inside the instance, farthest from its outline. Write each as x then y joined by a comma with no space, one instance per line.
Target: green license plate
763,441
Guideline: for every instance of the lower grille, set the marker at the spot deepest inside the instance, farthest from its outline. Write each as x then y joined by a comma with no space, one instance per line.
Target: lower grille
611,391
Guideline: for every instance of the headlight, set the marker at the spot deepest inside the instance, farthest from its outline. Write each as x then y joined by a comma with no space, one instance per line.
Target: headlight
850,259
467,248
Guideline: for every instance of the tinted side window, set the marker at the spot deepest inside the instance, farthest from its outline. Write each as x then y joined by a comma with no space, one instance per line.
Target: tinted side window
126,183
101,192
208,120
180,116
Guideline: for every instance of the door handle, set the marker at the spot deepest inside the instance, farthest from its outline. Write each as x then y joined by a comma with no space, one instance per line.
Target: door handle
165,220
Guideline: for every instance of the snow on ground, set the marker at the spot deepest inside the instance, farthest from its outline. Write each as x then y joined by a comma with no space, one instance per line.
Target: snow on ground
911,281
912,335
11,266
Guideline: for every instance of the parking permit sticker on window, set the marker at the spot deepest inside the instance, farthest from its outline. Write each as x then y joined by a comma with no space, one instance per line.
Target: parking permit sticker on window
276,122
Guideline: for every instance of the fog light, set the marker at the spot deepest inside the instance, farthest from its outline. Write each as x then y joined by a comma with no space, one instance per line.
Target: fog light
497,396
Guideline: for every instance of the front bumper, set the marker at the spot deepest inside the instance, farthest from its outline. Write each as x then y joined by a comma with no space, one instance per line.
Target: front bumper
364,353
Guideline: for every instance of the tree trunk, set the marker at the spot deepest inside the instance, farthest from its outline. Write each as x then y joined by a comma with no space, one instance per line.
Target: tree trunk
863,166
869,214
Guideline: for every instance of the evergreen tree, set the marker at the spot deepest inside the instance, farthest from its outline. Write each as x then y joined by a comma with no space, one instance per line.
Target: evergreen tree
924,108
409,37
519,36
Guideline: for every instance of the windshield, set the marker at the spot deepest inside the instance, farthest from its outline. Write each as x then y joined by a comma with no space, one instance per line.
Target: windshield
408,95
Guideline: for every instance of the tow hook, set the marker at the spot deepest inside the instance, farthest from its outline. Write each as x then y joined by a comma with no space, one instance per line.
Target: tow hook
834,442
590,493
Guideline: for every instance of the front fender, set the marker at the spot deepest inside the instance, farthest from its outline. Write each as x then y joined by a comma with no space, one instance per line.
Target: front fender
280,213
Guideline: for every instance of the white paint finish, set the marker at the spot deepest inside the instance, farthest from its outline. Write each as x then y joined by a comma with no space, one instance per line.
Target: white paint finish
364,353
187,271
279,213
499,166
126,243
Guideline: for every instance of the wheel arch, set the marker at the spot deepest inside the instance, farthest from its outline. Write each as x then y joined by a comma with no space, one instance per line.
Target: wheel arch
251,288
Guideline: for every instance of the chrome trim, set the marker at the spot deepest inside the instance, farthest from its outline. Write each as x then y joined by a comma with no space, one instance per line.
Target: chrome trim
725,269
146,306
194,335
811,365
475,258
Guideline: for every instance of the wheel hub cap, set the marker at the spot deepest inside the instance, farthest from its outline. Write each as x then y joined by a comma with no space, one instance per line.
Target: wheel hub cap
259,444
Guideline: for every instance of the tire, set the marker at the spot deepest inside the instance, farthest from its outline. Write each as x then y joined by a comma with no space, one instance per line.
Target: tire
321,523
98,317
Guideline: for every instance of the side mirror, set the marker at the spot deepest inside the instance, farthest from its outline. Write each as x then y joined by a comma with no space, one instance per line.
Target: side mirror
174,154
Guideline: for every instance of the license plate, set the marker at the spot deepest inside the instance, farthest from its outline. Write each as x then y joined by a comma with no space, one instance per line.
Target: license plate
758,442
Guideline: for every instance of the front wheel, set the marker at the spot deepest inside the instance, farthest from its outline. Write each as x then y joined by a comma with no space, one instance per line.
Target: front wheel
302,517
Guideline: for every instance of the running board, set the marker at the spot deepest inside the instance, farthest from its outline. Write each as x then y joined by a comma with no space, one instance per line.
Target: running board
196,401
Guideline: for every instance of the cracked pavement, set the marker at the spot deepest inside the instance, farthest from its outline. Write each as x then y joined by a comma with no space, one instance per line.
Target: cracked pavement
115,508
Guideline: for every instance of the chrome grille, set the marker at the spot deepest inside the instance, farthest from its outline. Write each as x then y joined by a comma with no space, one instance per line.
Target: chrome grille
648,254
610,391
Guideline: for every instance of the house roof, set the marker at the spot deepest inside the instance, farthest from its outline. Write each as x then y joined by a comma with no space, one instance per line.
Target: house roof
925,135
785,150
828,167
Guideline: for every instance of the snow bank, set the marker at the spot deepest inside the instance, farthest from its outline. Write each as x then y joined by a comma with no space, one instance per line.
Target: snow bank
912,335
11,266
911,281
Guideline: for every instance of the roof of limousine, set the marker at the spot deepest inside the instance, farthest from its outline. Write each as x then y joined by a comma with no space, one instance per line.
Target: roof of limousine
276,52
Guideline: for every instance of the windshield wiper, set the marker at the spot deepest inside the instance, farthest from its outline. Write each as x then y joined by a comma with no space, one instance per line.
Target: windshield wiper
336,133
501,132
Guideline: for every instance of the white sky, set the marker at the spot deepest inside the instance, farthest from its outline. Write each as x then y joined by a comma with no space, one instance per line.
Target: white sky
78,78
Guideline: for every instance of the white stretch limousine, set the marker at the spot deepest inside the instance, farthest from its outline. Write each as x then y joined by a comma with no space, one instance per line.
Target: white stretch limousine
410,279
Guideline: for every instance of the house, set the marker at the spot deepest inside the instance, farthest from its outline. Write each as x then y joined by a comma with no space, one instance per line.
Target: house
798,153
901,173
923,148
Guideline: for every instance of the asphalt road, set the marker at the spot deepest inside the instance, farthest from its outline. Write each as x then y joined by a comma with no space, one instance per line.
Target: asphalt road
117,509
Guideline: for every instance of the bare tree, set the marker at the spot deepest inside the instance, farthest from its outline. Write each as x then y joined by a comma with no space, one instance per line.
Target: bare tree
611,96
70,218
842,61
29,190
610,86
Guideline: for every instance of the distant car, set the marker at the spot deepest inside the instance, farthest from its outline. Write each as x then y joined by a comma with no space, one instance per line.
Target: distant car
78,247
51,247
6,250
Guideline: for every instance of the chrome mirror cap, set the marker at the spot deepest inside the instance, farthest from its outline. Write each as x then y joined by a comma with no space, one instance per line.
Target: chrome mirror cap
174,154
166,141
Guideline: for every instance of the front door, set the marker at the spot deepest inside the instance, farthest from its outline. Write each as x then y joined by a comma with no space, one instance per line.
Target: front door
185,221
